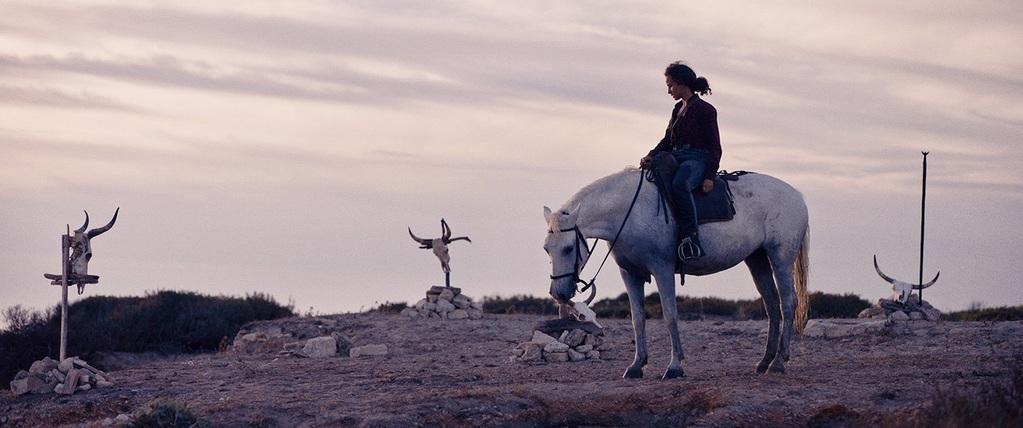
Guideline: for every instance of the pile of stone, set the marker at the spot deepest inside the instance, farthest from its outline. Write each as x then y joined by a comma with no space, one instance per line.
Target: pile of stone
301,337
64,377
561,340
895,310
445,303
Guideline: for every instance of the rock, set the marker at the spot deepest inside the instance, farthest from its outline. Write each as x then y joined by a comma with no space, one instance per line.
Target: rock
836,328
446,295
42,366
530,352
930,314
584,348
436,290
84,378
540,338
555,347
431,298
444,306
432,306
122,418
66,364
477,305
898,316
556,357
596,340
458,314
574,355
69,385
410,312
432,314
593,355
461,302
83,387
57,375
563,337
368,351
20,386
556,326
475,314
81,363
871,312
916,315
422,304
517,351
104,384
344,344
575,337
320,347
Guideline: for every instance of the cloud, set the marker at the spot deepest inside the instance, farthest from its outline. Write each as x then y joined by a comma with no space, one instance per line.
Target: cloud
51,97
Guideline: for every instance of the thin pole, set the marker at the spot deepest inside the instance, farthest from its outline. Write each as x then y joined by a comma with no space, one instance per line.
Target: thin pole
923,204
64,244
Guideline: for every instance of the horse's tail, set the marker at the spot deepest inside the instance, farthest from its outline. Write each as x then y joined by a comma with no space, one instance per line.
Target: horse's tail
800,275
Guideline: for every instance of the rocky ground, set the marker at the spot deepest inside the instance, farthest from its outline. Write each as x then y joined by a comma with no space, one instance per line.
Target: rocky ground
459,372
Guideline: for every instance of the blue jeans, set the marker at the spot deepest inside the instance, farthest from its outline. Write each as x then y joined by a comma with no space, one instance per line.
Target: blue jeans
691,166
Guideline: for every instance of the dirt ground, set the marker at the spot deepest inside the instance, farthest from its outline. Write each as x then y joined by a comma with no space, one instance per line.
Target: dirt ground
458,373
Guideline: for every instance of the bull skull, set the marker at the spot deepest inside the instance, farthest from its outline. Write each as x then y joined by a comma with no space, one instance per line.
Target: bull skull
902,290
81,245
440,247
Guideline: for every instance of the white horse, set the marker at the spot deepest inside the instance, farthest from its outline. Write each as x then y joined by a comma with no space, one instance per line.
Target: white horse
770,232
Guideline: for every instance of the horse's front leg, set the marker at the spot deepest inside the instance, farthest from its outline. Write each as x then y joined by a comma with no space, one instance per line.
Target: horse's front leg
634,287
666,288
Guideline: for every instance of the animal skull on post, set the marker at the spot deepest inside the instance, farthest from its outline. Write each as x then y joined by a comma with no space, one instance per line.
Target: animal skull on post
901,290
81,249
440,247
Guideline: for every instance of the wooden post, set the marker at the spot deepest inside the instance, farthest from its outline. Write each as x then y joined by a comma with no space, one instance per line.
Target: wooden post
923,205
65,244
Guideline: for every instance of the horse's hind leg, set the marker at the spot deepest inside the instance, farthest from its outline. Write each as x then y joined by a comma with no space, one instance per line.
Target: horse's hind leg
782,261
666,288
760,267
634,287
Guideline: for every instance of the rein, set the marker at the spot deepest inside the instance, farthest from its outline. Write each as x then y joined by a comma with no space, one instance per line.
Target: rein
579,237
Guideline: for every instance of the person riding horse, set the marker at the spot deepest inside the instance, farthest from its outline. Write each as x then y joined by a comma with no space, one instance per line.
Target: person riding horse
688,156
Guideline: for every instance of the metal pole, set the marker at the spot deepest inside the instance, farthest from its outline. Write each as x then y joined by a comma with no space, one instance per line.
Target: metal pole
923,203
65,243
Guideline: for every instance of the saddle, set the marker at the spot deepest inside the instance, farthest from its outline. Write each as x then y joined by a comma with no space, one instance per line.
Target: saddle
716,206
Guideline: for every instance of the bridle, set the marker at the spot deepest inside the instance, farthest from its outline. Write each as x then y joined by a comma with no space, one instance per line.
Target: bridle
580,263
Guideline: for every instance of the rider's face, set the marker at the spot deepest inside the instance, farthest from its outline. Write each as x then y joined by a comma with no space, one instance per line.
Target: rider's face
676,90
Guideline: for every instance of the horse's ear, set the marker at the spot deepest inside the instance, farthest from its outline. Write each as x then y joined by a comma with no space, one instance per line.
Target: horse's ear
547,214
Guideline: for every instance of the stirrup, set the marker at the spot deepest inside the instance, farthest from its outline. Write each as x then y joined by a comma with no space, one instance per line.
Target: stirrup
689,249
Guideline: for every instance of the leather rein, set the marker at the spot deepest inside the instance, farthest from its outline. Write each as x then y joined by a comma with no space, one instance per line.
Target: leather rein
580,263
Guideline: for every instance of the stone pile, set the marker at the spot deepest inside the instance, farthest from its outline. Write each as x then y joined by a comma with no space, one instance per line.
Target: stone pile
561,340
445,303
64,377
301,337
894,310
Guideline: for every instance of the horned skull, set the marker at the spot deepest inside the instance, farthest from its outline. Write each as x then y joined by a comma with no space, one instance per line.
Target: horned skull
81,244
440,247
902,290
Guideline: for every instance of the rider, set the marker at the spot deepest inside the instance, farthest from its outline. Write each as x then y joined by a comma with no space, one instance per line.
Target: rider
692,143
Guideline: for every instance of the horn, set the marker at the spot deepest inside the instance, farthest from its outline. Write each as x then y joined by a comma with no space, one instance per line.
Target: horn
593,293
426,243
463,238
97,231
921,287
883,276
445,231
84,225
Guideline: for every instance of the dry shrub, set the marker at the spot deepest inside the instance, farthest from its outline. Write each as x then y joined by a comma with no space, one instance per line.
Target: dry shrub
998,402
836,416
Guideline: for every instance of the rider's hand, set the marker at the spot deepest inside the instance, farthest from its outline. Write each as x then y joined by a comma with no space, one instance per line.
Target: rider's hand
645,162
708,185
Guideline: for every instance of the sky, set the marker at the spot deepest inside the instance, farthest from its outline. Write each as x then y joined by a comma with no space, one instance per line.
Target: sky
285,147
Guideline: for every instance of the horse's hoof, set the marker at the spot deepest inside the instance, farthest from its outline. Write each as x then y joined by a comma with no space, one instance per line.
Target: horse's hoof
777,367
672,374
633,373
762,367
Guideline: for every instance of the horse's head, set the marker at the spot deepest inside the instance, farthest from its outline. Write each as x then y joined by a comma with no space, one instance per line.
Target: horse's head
567,249
901,290
81,244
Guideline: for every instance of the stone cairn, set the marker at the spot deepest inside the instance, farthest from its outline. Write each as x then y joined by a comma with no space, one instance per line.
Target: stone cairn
893,310
301,337
561,340
64,377
445,303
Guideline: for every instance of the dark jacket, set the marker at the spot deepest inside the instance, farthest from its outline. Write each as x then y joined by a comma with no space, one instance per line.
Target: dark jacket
698,128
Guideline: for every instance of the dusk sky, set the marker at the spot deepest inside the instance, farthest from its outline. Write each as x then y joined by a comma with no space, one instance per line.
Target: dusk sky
284,147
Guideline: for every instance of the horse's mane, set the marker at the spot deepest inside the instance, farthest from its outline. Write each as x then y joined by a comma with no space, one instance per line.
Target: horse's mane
599,184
